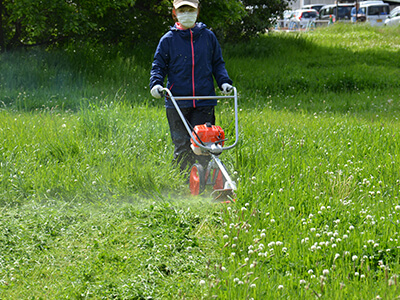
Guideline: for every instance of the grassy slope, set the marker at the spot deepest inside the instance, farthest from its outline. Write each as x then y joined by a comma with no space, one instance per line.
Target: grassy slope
91,207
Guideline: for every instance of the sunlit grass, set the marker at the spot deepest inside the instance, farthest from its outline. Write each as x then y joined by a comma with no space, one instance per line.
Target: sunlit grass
91,206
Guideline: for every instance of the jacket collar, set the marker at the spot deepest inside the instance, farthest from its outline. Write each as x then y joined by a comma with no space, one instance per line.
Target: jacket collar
186,33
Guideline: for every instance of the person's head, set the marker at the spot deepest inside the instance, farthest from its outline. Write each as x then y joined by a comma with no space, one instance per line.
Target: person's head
186,12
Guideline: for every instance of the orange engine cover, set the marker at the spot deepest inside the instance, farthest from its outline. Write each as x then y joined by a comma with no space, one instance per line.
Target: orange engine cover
208,134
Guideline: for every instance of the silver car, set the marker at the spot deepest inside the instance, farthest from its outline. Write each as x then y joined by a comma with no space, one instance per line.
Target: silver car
394,17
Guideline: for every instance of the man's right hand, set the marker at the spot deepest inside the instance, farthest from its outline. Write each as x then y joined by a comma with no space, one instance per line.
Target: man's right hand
156,91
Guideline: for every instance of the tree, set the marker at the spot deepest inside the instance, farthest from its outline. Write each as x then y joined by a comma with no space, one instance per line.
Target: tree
30,23
26,23
260,15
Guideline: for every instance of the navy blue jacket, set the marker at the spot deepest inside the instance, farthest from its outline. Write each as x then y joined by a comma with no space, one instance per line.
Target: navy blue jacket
189,59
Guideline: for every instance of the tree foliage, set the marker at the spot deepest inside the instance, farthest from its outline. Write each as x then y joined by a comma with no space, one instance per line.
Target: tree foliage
25,23
259,17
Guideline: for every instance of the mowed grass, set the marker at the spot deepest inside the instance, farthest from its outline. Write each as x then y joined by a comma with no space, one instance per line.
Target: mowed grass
92,208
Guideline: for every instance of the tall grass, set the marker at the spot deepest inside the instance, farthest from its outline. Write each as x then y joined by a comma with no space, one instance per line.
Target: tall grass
92,208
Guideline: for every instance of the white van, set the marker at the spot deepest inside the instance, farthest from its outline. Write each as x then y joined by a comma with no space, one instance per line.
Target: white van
376,12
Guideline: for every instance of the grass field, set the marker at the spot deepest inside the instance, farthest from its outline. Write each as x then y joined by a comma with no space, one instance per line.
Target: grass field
91,207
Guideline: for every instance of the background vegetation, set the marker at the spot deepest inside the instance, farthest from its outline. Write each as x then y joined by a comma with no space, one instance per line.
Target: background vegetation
91,208
127,23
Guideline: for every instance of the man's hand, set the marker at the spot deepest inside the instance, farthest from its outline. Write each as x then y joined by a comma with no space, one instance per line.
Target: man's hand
156,91
226,88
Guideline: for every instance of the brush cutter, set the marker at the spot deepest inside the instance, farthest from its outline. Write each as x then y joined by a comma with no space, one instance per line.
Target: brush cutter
208,139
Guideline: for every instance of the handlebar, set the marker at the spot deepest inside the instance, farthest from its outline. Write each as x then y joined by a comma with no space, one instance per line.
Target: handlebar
189,130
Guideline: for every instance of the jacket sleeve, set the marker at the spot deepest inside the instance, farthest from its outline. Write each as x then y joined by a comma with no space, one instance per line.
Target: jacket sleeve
160,63
219,71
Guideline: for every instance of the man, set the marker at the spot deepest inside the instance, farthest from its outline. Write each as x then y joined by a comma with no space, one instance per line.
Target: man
356,13
190,56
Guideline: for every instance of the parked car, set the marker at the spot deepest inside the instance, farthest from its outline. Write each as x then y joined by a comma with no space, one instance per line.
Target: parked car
302,17
339,11
284,21
394,17
317,7
376,12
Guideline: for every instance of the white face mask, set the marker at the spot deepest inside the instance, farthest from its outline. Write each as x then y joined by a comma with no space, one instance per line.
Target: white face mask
187,19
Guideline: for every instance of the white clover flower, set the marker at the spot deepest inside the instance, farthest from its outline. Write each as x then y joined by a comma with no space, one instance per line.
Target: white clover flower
310,271
226,237
351,227
280,287
397,207
243,208
236,280
202,282
325,272
354,257
253,285
291,208
356,274
272,220
278,243
262,235
302,281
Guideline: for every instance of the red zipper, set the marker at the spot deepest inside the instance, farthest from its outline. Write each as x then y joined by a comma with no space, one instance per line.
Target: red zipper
193,86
